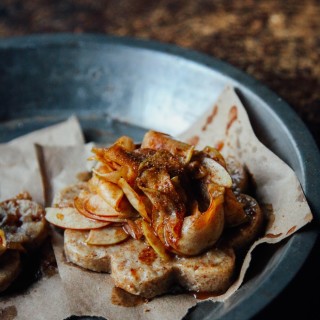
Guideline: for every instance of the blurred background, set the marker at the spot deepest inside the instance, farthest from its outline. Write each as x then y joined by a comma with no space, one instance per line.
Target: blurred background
277,42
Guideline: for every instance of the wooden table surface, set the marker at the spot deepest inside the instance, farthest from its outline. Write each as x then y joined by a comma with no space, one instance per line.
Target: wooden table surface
277,42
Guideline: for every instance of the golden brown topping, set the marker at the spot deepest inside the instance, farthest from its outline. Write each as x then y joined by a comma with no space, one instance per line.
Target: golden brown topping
179,199
160,141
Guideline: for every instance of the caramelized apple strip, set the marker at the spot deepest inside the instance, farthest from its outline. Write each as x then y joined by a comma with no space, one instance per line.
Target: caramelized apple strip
160,141
109,191
133,228
106,236
97,206
201,230
79,204
154,241
112,176
134,199
126,143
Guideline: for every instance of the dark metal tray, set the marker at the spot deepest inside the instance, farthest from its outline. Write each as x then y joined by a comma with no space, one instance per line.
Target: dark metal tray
125,86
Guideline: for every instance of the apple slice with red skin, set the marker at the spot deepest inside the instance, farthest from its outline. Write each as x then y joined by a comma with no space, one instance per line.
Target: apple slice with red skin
70,218
106,236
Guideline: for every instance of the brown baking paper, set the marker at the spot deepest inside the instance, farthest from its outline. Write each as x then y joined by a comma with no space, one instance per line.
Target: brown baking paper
20,171
19,167
227,124
89,293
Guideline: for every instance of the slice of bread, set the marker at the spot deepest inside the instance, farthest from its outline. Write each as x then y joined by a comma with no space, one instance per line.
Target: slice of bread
136,268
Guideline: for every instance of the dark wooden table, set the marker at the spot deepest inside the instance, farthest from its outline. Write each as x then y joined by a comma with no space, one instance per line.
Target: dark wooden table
277,42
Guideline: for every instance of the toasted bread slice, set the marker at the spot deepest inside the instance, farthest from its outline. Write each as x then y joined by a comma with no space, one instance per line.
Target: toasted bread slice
10,266
136,268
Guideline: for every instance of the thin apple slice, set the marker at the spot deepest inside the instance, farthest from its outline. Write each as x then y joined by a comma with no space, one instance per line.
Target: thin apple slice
79,205
134,198
96,205
109,192
217,173
112,176
201,230
126,143
154,241
133,228
70,218
106,236
159,141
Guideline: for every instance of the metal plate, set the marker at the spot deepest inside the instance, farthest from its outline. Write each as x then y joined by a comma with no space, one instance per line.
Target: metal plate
125,86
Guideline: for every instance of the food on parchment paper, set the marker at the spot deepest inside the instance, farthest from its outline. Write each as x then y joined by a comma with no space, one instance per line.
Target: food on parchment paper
23,229
159,214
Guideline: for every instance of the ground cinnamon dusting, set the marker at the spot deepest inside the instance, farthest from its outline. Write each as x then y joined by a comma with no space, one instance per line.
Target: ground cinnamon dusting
147,256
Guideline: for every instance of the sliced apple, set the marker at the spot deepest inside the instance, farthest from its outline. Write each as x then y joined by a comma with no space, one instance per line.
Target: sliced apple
126,143
96,205
218,174
110,192
70,218
154,241
106,236
134,198
112,176
159,141
201,230
133,228
79,205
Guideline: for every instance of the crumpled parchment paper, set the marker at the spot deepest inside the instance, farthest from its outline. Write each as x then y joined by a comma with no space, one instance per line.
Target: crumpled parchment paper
20,171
